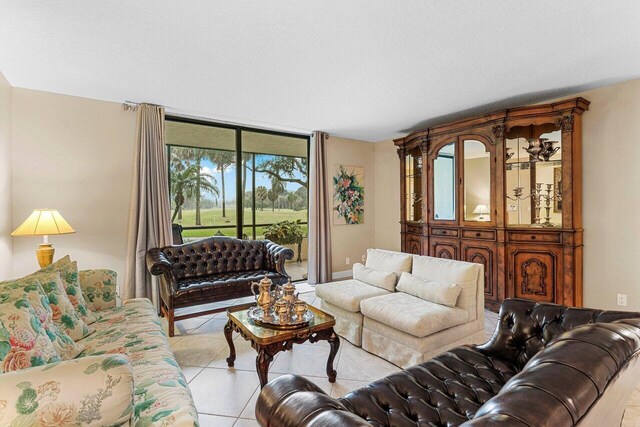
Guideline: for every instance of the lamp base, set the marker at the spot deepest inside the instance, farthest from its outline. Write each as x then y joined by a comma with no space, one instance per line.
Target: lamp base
44,253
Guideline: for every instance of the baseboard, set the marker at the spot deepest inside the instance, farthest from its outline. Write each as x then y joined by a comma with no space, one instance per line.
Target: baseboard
336,275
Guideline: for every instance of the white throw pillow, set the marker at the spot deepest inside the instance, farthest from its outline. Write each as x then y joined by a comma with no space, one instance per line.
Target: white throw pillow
468,276
382,260
428,290
380,279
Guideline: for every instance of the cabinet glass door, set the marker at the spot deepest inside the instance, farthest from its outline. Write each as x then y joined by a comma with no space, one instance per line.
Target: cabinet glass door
534,176
477,181
444,183
413,185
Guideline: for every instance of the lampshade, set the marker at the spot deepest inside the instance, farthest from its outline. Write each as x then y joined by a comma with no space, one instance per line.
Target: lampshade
481,209
43,222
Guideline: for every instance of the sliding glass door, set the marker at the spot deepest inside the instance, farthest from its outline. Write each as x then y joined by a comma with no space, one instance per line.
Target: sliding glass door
240,182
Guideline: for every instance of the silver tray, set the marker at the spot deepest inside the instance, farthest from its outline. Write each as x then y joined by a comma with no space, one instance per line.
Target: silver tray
256,314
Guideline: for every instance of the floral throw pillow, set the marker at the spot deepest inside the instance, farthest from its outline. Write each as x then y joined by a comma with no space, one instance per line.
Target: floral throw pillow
23,341
69,274
88,391
35,294
99,288
64,314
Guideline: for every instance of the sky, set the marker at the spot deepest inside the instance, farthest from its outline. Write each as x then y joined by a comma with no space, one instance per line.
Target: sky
230,178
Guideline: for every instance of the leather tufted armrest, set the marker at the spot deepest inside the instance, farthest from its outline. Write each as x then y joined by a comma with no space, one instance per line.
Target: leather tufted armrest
159,265
568,378
294,401
276,256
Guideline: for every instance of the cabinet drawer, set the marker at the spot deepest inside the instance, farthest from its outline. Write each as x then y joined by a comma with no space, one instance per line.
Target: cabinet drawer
479,234
523,236
449,232
414,229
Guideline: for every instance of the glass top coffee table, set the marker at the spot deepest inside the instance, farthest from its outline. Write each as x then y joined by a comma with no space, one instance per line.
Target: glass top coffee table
268,342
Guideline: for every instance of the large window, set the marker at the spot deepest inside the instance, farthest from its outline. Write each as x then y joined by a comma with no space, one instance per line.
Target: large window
240,182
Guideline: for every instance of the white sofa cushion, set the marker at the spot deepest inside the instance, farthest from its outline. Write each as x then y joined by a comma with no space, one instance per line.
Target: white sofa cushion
380,279
411,314
464,274
382,260
347,294
428,290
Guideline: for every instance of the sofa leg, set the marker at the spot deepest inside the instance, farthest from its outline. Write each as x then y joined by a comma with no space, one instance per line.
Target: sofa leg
169,314
171,322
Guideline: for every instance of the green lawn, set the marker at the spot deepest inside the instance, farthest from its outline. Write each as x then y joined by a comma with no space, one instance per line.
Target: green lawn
213,217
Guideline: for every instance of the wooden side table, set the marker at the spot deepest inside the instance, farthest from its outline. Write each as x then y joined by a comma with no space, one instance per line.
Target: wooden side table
269,342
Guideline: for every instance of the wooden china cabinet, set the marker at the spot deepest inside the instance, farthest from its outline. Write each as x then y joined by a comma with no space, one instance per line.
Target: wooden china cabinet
503,190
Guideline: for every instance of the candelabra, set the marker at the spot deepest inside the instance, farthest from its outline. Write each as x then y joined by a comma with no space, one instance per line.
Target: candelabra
416,199
548,198
537,196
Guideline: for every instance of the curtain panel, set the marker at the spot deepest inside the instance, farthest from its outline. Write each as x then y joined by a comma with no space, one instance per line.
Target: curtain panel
149,210
319,258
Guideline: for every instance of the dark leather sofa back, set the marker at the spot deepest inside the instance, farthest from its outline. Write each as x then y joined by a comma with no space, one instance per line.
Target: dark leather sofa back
526,327
568,379
216,255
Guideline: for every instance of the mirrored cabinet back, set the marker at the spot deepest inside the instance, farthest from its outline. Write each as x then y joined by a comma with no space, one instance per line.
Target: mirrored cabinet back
503,190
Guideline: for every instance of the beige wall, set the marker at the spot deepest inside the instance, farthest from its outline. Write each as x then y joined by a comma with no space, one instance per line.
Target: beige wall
611,182
352,241
75,155
6,241
611,201
387,196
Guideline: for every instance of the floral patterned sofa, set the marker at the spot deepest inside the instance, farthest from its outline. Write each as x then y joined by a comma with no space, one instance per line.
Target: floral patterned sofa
126,373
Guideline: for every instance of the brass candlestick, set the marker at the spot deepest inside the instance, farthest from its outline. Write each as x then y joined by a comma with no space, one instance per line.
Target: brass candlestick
548,198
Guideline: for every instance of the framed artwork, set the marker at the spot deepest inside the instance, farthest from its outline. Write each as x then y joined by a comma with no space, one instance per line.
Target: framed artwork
557,185
348,195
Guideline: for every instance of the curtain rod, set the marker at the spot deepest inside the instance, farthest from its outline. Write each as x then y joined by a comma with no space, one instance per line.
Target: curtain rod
133,106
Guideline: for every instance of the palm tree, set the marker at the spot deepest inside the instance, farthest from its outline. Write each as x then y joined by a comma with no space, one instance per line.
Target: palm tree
277,188
204,182
180,159
246,159
183,184
186,183
262,194
222,159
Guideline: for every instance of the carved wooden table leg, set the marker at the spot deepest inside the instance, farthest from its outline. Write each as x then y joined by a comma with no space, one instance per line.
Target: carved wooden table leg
263,360
228,330
334,342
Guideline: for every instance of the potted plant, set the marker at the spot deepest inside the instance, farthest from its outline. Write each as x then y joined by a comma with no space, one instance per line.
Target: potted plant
286,233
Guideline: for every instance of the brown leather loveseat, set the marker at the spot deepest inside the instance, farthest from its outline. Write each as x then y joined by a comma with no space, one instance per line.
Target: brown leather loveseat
213,269
545,365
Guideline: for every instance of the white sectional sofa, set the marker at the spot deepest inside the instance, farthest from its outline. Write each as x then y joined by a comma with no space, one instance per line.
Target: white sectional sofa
407,308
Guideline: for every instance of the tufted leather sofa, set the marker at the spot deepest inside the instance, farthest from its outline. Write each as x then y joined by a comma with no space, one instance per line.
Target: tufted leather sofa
545,365
211,270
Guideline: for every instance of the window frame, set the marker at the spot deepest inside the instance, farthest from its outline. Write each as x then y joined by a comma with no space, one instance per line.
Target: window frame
239,226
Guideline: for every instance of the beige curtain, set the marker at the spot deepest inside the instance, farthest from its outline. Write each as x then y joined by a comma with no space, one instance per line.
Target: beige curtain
149,210
319,268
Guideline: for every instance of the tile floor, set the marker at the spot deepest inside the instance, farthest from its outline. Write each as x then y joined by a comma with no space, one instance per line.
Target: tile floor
227,396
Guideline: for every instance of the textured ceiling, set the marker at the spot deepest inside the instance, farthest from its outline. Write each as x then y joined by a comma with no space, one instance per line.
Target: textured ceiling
360,69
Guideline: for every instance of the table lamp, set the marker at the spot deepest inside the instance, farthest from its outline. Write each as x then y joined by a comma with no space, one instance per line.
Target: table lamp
44,222
482,210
